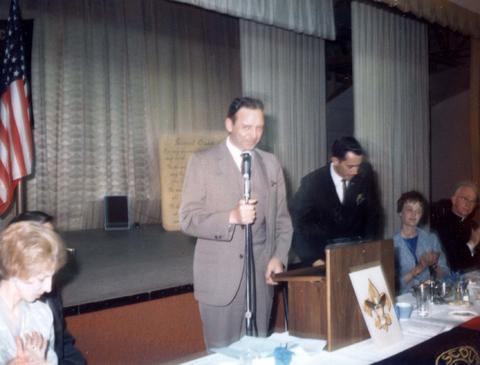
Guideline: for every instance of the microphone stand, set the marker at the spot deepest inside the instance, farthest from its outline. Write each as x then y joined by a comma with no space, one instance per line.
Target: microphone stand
250,324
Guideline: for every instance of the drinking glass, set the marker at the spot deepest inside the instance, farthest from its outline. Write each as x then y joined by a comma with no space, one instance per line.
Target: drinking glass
422,294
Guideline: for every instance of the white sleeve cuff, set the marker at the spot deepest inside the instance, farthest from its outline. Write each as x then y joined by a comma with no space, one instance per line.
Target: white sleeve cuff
471,247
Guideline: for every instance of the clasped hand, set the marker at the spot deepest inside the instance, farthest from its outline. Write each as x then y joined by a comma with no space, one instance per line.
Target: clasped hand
244,212
31,350
429,258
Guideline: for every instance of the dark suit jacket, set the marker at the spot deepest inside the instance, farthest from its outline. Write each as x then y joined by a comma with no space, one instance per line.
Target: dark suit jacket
454,233
319,216
65,348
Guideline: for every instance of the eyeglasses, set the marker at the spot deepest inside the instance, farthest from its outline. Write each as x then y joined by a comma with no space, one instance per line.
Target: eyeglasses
466,200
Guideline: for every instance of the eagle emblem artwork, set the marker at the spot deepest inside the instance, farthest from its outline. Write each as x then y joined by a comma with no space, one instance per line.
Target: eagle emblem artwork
378,305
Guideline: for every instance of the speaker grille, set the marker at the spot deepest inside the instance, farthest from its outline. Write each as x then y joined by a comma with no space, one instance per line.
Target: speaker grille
116,212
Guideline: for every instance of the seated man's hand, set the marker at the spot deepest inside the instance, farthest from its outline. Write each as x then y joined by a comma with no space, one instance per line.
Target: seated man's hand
475,237
243,213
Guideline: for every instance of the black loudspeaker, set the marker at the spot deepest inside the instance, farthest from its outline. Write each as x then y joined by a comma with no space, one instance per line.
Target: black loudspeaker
116,212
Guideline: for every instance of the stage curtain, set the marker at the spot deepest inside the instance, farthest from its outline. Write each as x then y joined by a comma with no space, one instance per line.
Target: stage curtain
443,12
311,17
110,77
391,106
287,71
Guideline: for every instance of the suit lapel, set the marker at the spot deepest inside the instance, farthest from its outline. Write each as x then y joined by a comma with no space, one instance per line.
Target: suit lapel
352,192
260,170
268,188
228,171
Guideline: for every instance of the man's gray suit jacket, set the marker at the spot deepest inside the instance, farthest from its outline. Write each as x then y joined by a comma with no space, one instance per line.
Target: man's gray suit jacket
213,185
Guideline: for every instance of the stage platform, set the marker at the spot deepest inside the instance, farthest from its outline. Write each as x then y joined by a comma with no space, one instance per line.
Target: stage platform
128,296
114,268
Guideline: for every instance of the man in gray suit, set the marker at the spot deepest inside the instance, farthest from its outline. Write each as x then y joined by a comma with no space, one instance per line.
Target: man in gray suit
213,210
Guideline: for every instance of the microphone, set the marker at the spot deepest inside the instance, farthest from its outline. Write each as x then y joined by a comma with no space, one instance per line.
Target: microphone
250,299
246,173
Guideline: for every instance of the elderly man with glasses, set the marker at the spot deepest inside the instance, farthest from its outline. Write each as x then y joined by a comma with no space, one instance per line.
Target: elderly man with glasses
458,231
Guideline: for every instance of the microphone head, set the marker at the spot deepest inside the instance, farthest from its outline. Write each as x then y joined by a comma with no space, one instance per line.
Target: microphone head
246,172
246,155
246,163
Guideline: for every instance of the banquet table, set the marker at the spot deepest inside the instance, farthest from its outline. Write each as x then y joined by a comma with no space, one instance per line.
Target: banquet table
415,330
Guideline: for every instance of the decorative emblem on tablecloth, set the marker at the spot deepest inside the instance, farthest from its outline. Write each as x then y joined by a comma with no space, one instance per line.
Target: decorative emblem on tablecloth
378,305
462,355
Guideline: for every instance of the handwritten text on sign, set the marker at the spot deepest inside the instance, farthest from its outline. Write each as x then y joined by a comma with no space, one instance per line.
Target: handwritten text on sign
175,151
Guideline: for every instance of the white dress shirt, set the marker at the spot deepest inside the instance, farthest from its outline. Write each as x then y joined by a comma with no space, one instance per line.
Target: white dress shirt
338,182
236,153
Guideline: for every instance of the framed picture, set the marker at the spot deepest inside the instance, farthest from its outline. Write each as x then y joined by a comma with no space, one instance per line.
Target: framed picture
376,304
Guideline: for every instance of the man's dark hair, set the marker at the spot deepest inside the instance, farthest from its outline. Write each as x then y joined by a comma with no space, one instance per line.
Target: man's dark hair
32,216
243,102
344,145
414,197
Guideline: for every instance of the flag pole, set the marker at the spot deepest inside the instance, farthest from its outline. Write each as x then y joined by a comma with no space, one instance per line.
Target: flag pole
20,192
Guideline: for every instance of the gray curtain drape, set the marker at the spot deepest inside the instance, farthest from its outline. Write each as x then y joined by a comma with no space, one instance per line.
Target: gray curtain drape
444,12
391,106
314,17
287,71
109,78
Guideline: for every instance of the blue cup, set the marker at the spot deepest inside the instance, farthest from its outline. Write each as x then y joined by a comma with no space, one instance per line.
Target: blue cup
282,355
403,310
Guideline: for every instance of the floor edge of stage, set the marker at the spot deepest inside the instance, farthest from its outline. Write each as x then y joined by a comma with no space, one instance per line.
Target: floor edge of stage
115,268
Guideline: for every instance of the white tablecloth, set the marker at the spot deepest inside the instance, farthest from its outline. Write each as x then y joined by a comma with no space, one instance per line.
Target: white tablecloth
415,330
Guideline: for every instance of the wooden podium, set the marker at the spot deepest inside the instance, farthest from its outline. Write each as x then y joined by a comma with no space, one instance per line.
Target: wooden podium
321,300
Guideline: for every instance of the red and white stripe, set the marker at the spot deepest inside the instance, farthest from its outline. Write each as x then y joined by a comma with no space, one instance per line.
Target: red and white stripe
16,143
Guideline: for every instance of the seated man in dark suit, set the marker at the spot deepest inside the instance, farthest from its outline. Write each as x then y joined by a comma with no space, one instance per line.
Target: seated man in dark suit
65,349
339,200
458,232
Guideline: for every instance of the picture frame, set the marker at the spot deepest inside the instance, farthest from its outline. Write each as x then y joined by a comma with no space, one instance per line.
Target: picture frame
376,303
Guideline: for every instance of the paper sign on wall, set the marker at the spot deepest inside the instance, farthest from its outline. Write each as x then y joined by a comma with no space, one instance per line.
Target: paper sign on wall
175,151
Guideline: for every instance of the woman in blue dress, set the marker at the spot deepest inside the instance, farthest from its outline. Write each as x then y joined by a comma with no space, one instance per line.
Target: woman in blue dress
418,253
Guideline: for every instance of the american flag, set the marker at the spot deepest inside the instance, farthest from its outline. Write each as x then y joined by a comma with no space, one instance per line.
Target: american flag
16,145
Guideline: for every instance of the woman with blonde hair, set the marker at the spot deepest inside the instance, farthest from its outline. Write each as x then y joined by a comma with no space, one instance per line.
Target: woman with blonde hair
30,254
